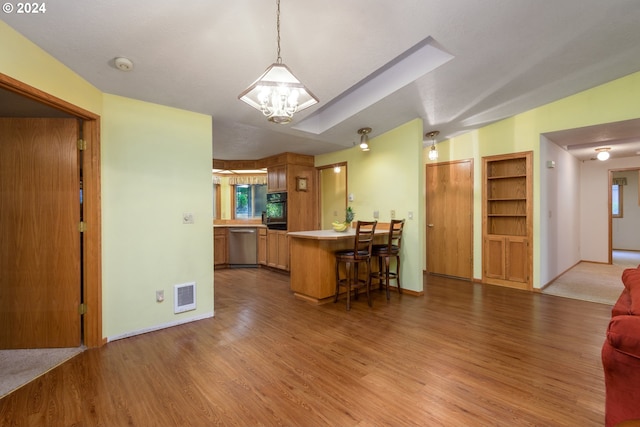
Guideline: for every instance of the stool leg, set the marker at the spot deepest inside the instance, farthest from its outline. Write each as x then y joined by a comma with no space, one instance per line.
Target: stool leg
356,280
386,276
369,282
348,279
337,281
398,274
380,272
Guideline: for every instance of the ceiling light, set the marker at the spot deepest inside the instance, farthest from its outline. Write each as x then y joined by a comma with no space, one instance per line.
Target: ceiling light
277,92
364,138
433,152
603,153
123,64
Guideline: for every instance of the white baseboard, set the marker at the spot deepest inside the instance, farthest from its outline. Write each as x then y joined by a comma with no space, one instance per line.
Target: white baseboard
162,326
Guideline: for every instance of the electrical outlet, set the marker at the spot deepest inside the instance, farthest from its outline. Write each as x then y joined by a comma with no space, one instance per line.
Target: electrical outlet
160,295
376,214
187,218
393,214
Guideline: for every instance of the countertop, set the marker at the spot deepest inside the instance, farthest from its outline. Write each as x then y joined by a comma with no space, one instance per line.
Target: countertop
239,226
329,234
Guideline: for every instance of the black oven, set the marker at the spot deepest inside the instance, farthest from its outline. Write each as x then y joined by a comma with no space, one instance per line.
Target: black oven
276,214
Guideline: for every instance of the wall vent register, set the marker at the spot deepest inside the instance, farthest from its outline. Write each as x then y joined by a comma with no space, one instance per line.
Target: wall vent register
184,297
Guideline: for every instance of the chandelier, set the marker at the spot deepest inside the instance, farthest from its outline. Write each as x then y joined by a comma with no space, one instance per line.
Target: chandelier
277,92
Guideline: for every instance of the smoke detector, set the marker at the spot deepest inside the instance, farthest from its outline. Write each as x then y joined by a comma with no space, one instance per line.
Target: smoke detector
123,64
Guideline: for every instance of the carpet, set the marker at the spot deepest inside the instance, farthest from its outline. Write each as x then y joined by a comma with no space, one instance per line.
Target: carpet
601,283
18,367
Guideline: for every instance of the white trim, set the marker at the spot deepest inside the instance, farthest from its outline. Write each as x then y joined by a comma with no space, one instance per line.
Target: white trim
162,326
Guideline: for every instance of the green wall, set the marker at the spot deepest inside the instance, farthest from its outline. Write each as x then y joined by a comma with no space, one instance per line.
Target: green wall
156,165
390,177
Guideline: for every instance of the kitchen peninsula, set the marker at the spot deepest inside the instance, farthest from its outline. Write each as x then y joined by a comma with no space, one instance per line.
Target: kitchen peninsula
312,262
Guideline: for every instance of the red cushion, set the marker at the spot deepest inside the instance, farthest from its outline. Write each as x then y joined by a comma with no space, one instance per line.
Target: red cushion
623,304
631,281
624,335
631,277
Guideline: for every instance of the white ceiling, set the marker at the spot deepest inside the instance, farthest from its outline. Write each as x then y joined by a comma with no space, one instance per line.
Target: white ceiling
506,57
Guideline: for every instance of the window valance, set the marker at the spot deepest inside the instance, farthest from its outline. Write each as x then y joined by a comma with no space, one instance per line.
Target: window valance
248,180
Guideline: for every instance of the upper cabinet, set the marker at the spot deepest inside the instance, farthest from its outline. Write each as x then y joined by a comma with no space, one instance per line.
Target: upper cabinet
507,219
277,178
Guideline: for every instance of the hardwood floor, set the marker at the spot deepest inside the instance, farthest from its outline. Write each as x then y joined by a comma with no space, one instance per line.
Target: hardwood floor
464,354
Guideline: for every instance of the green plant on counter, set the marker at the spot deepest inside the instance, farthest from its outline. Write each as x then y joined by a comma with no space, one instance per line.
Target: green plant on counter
350,214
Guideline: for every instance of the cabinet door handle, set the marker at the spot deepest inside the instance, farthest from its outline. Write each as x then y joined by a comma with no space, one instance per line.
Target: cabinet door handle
429,225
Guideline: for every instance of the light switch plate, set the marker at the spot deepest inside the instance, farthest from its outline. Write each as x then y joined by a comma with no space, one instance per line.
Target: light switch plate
187,218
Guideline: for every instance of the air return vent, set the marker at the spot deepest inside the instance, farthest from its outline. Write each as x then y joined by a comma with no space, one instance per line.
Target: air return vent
184,297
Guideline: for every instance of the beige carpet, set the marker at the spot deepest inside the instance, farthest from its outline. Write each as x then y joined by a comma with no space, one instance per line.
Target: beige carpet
587,281
18,367
593,282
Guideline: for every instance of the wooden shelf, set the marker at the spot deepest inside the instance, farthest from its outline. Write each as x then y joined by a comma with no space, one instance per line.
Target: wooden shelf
507,219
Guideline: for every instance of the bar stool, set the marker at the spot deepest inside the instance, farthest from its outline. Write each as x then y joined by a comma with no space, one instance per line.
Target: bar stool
387,251
360,254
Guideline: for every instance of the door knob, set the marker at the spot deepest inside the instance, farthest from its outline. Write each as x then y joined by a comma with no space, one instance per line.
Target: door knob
429,225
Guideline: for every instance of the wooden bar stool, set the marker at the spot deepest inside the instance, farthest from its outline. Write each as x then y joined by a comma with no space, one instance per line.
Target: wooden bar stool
352,258
387,251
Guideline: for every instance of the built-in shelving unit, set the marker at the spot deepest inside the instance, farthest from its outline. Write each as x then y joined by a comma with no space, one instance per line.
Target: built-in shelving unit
507,215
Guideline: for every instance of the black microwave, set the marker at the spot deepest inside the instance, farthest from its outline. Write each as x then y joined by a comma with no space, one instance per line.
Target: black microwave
276,213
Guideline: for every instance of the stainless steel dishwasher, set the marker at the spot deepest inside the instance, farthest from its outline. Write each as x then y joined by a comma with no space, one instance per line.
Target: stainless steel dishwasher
243,247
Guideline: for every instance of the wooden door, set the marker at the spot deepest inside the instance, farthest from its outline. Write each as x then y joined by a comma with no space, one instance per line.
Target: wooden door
39,216
449,198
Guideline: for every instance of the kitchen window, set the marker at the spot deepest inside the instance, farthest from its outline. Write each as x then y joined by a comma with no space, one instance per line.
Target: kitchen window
250,200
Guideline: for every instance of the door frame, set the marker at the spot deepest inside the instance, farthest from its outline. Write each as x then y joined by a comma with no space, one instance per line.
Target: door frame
610,202
319,170
92,236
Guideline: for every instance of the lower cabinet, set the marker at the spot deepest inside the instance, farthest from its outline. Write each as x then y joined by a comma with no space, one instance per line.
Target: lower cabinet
278,249
506,260
262,246
220,246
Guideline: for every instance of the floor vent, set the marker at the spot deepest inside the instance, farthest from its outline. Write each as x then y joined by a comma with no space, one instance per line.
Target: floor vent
184,297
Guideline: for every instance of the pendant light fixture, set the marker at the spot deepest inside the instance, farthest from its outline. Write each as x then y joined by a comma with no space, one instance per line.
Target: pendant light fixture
277,92
433,152
364,138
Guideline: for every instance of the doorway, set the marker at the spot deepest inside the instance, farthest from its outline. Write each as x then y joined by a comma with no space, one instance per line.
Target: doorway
332,193
25,100
624,215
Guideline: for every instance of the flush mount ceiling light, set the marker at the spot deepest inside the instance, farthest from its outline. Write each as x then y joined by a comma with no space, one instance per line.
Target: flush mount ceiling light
603,153
433,152
364,138
277,92
123,64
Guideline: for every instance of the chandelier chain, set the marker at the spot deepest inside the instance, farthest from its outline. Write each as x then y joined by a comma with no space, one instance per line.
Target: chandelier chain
279,59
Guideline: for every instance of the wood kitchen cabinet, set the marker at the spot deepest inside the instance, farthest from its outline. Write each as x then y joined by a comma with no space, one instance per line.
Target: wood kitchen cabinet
277,178
507,220
278,249
262,246
220,246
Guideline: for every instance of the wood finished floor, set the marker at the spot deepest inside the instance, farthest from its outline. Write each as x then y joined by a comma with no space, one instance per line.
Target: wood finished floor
462,355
